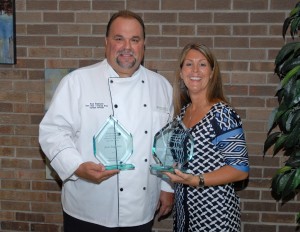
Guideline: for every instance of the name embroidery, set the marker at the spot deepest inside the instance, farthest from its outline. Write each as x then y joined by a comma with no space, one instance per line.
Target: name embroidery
96,105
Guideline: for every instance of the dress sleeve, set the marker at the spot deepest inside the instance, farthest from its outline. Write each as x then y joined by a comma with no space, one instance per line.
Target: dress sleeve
230,138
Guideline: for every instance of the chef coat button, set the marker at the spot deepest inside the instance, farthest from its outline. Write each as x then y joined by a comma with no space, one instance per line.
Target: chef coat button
111,81
143,81
144,188
121,189
116,106
146,160
145,105
146,132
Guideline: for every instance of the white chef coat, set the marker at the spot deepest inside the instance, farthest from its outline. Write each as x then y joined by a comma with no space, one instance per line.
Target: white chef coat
83,101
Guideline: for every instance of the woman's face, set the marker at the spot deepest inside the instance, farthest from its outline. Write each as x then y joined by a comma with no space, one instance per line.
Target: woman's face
196,71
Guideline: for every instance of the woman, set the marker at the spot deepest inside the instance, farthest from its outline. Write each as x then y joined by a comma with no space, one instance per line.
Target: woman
206,199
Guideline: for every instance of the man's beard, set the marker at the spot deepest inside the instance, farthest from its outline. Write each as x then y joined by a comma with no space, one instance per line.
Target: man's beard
126,65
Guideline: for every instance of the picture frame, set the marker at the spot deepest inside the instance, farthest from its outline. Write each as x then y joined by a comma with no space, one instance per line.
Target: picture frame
53,77
7,32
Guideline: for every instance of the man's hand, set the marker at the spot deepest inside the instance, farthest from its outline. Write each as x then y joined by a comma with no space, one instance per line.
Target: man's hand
93,172
165,203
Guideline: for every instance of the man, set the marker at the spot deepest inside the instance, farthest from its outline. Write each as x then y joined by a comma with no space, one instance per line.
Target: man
93,198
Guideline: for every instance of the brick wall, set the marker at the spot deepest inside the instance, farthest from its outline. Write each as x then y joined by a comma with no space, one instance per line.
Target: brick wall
245,35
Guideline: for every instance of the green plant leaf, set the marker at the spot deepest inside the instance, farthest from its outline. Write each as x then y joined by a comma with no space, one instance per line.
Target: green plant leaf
296,180
295,93
295,118
284,121
298,218
286,25
294,26
289,65
280,180
279,144
293,162
290,74
293,137
271,140
284,54
283,170
271,122
289,183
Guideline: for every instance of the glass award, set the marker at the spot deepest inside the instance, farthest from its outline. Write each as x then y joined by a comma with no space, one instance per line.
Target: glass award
172,148
113,145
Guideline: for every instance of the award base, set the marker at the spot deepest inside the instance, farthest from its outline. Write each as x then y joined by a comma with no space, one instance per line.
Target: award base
156,168
159,168
120,167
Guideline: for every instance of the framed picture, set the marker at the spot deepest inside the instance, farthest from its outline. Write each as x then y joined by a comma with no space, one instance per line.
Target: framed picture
52,79
7,32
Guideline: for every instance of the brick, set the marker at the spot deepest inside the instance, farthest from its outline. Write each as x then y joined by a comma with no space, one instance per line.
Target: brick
110,5
267,17
61,41
250,5
89,42
178,30
234,90
71,6
41,5
77,29
248,54
47,207
44,29
206,30
143,4
14,226
280,5
195,18
15,205
213,5
208,41
250,30
32,17
160,17
7,152
46,186
6,107
161,41
178,5
15,184
45,227
30,217
14,163
76,52
232,42
257,227
35,41
230,18
59,17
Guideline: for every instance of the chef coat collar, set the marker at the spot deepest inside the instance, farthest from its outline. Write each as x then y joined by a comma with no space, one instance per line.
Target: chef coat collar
113,73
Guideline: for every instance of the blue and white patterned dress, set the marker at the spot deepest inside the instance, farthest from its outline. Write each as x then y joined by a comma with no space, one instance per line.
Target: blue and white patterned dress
219,141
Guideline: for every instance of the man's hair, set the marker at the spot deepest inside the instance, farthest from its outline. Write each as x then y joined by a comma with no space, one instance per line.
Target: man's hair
125,14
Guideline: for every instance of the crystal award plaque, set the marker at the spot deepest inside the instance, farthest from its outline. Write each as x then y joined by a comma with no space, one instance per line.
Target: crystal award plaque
172,148
113,145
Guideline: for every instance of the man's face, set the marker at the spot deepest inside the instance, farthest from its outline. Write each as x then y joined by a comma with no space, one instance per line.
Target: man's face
125,46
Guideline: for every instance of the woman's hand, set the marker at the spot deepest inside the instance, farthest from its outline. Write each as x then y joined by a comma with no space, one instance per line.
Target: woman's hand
183,178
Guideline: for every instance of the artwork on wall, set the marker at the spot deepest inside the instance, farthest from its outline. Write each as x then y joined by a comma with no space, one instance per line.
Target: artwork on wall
52,79
7,32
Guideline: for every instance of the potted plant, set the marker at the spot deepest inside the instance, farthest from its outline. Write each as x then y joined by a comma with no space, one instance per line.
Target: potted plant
284,133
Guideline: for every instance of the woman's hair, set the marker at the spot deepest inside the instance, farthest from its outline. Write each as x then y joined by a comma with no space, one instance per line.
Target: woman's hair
125,14
214,87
